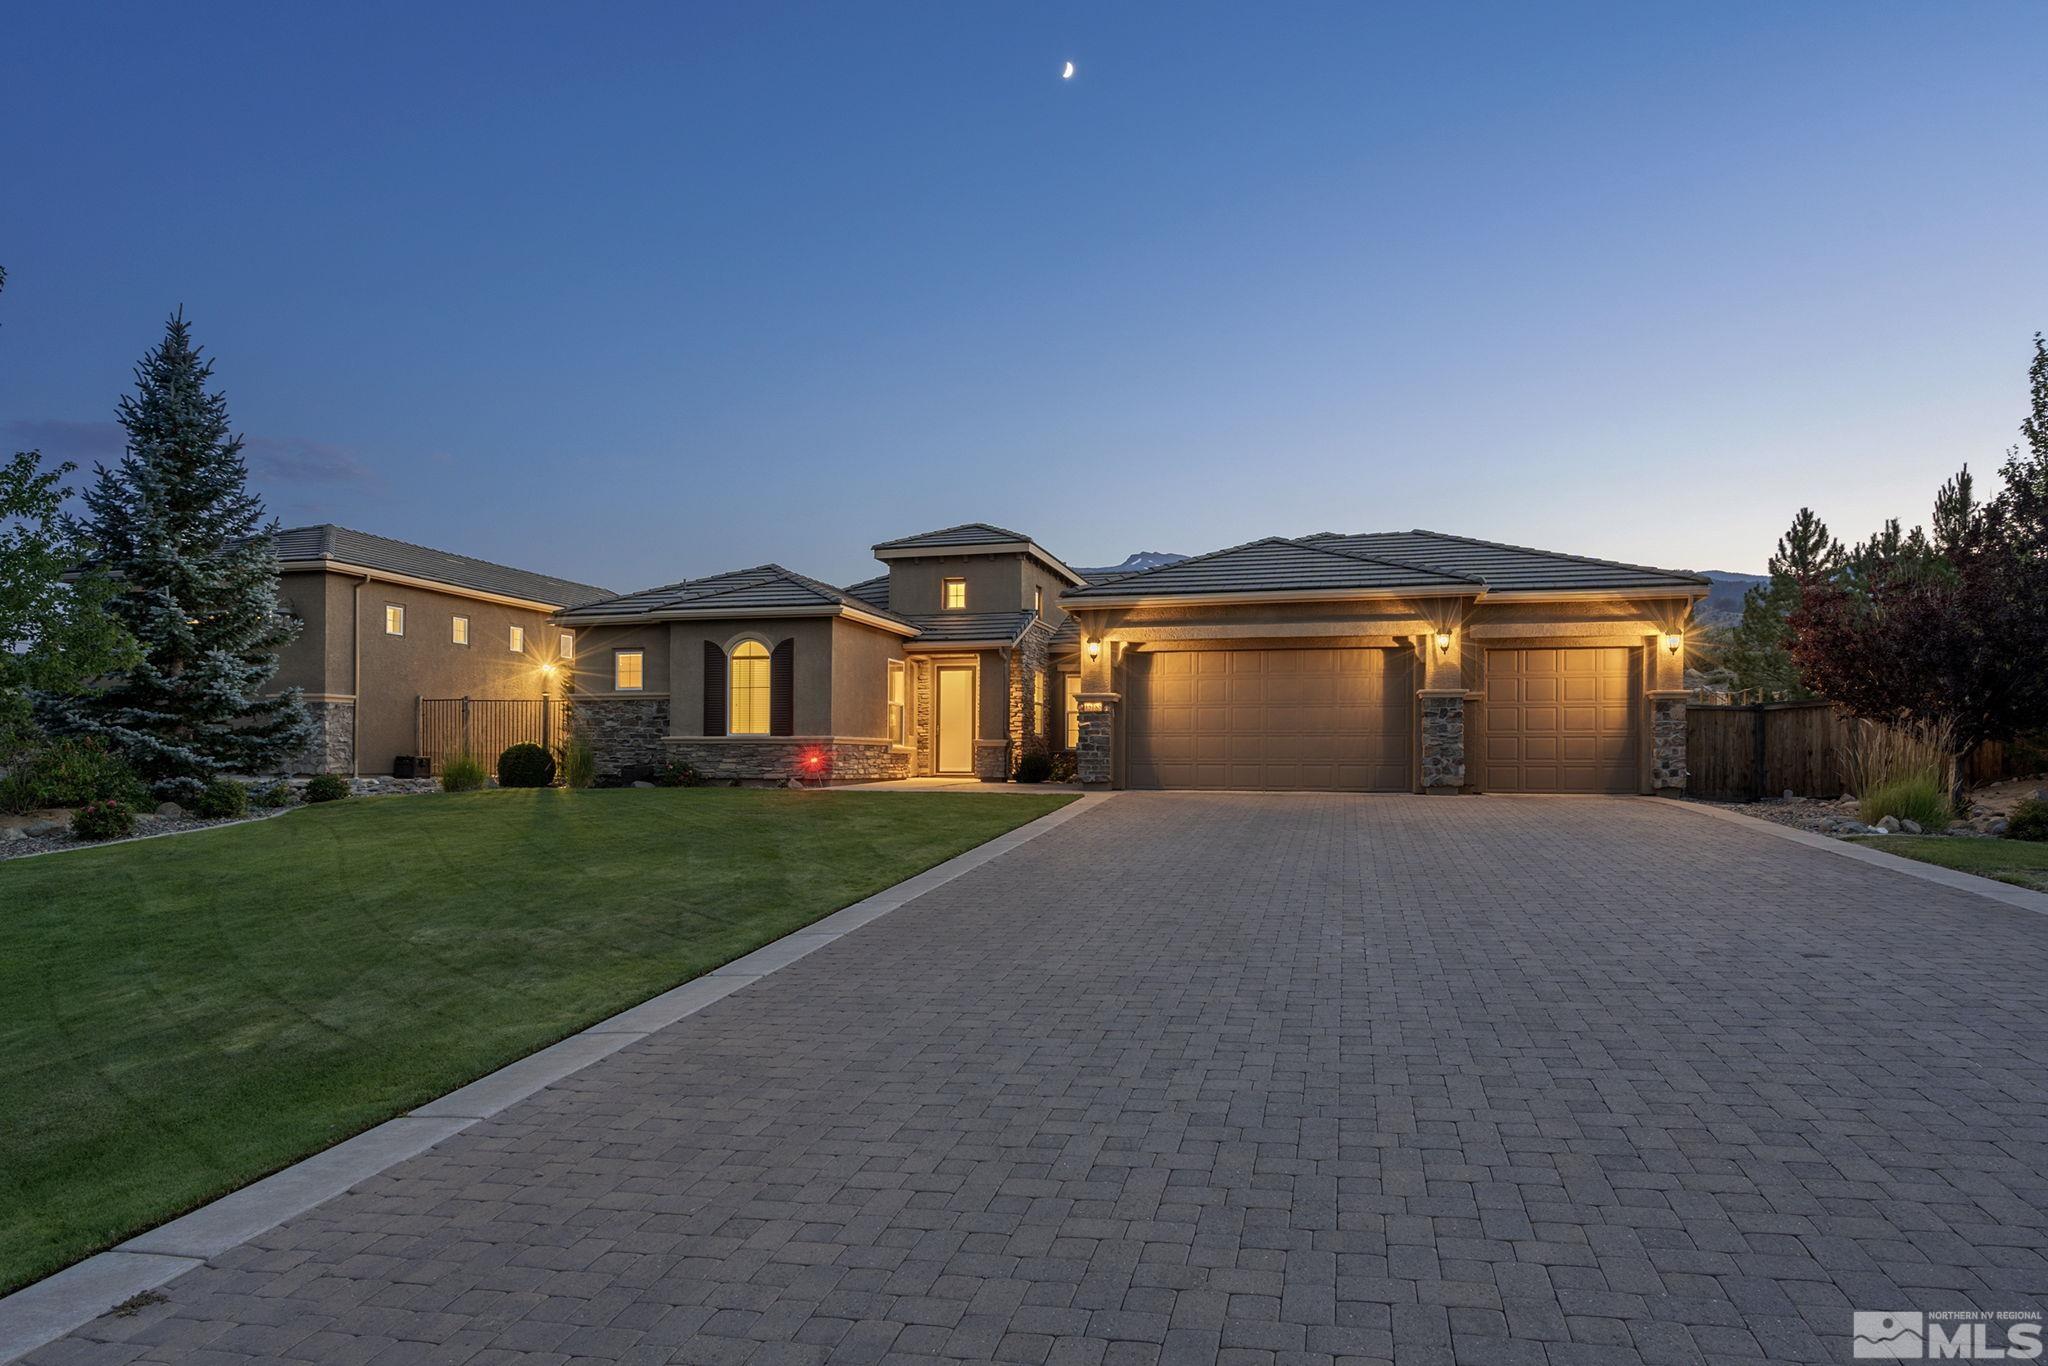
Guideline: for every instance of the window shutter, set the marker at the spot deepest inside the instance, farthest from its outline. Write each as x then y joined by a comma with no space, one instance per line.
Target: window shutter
782,689
714,689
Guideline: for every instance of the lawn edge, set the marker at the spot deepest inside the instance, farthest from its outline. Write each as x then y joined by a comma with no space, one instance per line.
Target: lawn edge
1954,879
45,1310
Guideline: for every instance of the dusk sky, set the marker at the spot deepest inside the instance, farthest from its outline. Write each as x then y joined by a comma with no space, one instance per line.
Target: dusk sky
629,294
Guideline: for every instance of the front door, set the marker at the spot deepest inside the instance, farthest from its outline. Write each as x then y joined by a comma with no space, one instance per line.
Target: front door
956,719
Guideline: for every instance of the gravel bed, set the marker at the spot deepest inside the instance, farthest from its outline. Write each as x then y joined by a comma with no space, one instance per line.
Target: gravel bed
145,826
148,824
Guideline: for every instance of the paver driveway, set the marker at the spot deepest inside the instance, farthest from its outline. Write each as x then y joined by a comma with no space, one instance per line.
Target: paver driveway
1249,1079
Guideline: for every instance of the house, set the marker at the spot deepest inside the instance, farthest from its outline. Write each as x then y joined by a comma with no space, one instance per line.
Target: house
389,627
1391,661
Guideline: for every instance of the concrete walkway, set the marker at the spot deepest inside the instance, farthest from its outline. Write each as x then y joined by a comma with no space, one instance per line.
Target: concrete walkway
1246,1079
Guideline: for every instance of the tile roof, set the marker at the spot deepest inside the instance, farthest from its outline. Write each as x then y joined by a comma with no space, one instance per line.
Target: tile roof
946,628
734,593
342,545
1273,565
1504,568
1067,637
966,534
874,592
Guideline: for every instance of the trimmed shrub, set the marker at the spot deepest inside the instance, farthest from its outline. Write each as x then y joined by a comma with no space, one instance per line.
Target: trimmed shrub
1034,767
1923,799
463,773
526,766
327,787
2029,821
1064,769
674,774
106,819
70,772
579,762
222,798
276,795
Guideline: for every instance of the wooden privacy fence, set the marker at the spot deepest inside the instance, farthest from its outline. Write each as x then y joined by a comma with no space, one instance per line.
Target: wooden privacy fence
486,727
1743,753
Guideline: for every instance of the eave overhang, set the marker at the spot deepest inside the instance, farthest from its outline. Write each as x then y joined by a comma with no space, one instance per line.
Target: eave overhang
324,565
730,613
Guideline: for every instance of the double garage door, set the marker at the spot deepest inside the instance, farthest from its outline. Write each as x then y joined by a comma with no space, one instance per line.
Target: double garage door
1332,720
1341,720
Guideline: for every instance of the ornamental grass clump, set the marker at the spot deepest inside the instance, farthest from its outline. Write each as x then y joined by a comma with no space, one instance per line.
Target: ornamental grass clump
463,772
579,762
1902,771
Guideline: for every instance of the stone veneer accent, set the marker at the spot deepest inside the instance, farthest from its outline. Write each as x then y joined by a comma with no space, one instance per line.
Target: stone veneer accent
1031,659
332,746
1092,759
1667,744
778,760
1443,742
923,760
993,761
625,733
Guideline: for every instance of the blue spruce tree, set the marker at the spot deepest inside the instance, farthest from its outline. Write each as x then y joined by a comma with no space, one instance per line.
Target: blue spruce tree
183,537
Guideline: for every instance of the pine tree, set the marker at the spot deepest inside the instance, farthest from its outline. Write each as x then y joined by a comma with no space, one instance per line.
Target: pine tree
177,527
2023,503
1758,648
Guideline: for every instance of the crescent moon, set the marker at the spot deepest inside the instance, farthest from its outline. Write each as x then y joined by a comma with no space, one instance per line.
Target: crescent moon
1068,74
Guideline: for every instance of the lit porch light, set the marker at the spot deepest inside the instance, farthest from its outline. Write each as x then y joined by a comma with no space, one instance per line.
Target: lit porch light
1443,642
1672,641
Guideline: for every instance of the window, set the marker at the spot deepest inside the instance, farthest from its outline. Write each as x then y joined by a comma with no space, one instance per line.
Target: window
1035,723
626,667
1038,601
748,714
899,715
459,631
1070,698
394,619
565,646
518,640
956,594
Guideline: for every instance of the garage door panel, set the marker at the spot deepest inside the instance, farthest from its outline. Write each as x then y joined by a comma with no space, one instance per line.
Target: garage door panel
1315,719
1561,720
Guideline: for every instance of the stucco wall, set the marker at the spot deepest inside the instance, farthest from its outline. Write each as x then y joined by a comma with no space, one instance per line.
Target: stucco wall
995,583
860,679
596,646
399,670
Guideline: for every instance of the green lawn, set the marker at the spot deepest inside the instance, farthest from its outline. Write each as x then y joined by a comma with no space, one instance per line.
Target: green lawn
2020,862
181,1016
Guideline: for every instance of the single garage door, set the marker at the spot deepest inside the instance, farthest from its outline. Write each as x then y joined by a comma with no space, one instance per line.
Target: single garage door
1561,720
1318,719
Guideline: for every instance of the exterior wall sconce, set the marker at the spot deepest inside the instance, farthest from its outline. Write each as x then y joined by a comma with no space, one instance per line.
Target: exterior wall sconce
1443,642
1672,640
1095,649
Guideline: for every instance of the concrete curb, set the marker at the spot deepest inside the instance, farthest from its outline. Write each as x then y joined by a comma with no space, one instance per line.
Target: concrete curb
2017,897
43,1312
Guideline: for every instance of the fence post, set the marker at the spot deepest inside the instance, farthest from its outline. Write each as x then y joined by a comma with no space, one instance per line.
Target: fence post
1763,784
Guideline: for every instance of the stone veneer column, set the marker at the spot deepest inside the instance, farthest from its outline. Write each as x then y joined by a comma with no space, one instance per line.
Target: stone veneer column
331,749
1098,732
1443,741
1667,744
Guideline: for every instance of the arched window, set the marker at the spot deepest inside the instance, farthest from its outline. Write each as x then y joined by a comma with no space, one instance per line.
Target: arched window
750,686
